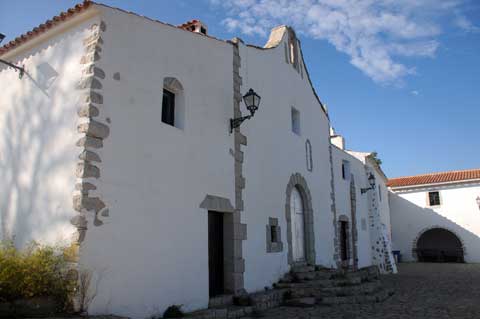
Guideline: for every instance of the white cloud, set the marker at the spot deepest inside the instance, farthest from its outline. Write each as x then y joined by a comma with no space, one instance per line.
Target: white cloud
463,23
415,92
375,34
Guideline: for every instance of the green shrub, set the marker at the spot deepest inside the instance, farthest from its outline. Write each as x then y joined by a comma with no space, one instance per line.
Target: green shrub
173,311
36,271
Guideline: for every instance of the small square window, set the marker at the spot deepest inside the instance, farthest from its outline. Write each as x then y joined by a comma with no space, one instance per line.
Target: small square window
295,121
273,234
434,198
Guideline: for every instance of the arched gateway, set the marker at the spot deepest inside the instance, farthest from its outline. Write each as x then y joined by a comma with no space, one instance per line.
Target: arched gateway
437,244
299,215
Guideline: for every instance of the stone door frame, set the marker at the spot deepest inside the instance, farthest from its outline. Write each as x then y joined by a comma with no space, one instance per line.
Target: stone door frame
234,233
298,181
426,229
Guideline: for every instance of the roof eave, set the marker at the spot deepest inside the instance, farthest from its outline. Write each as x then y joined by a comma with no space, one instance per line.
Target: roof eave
406,187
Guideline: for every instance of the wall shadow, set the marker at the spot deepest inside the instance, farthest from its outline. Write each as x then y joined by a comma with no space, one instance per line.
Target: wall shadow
35,123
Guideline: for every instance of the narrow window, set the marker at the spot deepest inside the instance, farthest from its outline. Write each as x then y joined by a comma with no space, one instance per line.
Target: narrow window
273,234
295,121
346,170
168,108
308,151
380,192
434,198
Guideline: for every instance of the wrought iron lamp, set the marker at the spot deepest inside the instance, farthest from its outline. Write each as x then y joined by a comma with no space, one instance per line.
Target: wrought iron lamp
16,67
478,201
252,101
371,181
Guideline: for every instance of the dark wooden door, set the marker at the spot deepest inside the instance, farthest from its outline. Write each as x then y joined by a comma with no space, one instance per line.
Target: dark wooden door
215,253
343,240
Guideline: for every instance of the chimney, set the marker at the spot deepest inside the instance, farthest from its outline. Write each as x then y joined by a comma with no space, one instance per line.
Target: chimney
338,141
196,26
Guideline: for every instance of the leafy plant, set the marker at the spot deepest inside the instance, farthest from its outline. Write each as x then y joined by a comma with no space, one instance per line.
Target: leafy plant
36,271
374,157
173,311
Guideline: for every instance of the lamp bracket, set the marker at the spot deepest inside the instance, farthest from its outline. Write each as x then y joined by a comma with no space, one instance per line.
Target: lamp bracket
16,67
364,190
236,122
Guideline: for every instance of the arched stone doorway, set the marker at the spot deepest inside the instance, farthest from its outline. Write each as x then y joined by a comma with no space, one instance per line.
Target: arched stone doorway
437,244
299,215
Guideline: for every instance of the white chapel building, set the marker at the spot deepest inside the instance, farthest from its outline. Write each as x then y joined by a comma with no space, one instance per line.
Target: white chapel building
436,217
132,151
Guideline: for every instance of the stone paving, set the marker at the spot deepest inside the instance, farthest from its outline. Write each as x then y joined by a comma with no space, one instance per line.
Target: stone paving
423,290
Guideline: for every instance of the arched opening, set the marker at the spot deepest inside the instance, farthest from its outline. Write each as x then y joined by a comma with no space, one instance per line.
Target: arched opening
298,225
299,216
439,245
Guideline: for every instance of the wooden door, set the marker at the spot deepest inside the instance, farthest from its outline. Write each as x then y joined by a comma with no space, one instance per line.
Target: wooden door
343,241
215,253
298,226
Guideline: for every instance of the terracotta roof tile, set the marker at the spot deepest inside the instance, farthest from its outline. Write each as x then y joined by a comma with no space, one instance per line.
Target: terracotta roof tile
45,26
435,178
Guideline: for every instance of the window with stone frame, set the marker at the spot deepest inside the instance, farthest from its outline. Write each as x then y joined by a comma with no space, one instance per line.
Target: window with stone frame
295,121
308,154
274,238
434,198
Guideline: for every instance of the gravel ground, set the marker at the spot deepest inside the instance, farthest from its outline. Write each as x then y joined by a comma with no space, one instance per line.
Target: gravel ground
422,290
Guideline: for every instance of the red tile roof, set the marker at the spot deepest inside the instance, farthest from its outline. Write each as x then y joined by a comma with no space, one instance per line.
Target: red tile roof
435,178
45,26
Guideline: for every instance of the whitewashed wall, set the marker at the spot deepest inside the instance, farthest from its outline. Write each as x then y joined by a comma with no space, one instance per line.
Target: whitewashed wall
274,153
37,145
152,251
458,212
342,200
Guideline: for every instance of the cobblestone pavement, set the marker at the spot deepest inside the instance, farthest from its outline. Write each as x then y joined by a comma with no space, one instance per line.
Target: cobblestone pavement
423,290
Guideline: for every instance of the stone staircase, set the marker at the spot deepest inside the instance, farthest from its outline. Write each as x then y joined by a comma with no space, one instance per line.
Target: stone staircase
303,286
308,285
229,306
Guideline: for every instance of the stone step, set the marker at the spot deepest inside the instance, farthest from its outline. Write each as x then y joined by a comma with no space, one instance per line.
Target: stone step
305,284
379,296
304,302
305,275
346,281
221,312
219,301
302,268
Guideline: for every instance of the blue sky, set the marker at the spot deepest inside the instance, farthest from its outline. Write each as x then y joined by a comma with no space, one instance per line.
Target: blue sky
399,77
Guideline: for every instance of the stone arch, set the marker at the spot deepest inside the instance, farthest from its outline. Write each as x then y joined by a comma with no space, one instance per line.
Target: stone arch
298,181
433,227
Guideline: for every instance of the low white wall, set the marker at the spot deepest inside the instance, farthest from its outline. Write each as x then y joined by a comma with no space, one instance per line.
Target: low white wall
37,145
459,213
